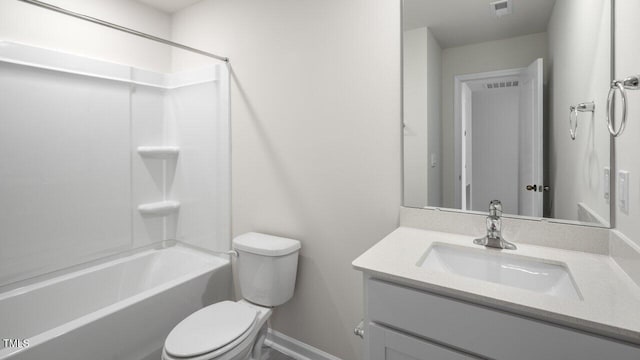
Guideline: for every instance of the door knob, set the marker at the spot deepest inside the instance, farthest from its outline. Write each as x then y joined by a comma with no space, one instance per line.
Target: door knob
540,188
359,330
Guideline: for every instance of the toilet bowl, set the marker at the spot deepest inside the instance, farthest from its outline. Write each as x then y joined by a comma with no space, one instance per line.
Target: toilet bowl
230,330
223,331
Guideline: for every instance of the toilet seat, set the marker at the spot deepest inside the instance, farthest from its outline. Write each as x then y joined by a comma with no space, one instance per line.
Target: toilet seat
211,329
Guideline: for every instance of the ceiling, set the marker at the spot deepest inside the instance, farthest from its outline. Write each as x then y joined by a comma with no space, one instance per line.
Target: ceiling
462,22
168,6
452,22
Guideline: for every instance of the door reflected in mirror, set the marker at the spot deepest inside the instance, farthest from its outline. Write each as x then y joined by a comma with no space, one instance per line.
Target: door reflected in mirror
491,94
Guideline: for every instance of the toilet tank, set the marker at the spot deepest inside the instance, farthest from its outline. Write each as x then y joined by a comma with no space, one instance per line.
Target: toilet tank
267,267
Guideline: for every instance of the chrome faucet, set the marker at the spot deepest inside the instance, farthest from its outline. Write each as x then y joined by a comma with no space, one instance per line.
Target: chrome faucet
494,238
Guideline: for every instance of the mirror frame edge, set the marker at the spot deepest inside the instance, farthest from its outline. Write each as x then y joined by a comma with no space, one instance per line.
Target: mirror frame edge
612,139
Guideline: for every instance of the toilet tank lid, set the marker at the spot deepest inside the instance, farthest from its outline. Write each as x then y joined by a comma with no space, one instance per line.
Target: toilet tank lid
263,244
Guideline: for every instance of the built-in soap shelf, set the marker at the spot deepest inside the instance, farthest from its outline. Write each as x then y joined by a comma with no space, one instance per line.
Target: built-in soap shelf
160,208
159,152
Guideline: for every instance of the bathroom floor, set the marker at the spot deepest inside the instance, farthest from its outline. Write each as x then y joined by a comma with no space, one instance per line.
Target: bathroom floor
273,354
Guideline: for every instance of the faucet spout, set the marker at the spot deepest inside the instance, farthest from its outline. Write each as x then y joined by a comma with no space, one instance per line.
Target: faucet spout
494,238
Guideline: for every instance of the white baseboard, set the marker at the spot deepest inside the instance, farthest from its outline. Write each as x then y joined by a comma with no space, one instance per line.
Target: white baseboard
294,348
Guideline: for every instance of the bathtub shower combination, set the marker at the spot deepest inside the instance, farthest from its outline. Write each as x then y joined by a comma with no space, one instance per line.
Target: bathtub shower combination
119,309
115,168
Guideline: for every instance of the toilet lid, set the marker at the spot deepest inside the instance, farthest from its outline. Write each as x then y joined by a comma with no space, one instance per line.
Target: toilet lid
209,329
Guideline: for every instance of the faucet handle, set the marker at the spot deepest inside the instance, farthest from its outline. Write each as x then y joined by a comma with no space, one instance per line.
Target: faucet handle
495,208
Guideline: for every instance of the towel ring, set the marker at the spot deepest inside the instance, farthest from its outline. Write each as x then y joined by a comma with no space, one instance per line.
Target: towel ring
617,85
573,114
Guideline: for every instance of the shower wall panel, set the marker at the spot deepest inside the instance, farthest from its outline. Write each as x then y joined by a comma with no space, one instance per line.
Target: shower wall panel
71,176
64,169
148,125
202,175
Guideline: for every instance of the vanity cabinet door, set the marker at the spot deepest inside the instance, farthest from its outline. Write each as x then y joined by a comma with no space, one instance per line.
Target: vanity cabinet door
386,344
480,330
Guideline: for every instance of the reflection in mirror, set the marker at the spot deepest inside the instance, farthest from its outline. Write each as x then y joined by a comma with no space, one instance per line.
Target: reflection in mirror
506,100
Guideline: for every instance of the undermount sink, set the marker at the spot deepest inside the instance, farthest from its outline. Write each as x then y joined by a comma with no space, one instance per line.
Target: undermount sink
506,269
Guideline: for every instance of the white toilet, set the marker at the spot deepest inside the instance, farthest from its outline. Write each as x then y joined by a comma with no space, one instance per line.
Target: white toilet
236,330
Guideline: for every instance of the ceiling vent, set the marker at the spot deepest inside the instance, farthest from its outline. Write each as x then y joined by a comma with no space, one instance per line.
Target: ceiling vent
502,84
501,8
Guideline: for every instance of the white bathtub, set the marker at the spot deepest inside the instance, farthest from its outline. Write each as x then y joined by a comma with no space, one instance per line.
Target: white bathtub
121,309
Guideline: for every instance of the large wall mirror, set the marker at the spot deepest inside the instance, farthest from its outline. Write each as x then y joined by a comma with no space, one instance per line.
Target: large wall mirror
507,100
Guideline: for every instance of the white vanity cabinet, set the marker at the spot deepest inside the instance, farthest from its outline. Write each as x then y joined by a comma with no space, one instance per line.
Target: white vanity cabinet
387,344
404,323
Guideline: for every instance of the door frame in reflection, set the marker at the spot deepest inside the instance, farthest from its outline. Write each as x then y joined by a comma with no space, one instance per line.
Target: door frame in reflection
530,148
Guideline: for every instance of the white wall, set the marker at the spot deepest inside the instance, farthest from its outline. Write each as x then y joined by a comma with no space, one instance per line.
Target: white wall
316,140
422,98
579,51
434,89
21,22
416,118
627,145
488,56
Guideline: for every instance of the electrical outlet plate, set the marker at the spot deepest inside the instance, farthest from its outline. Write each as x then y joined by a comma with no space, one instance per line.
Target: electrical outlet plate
623,191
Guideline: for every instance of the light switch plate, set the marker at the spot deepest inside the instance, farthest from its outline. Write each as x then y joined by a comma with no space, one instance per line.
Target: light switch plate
623,191
607,184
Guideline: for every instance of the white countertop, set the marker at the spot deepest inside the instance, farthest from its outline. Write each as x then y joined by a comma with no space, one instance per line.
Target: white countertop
610,304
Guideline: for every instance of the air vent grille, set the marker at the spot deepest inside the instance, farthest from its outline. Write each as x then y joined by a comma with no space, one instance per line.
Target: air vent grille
501,8
502,84
500,5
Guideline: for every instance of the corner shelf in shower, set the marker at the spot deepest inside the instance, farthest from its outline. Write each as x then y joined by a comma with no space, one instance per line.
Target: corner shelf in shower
159,152
160,208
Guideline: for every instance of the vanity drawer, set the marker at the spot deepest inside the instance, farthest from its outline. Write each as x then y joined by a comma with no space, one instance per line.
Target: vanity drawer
483,331
387,344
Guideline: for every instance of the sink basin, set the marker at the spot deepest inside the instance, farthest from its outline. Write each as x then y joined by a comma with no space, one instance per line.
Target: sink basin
506,269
